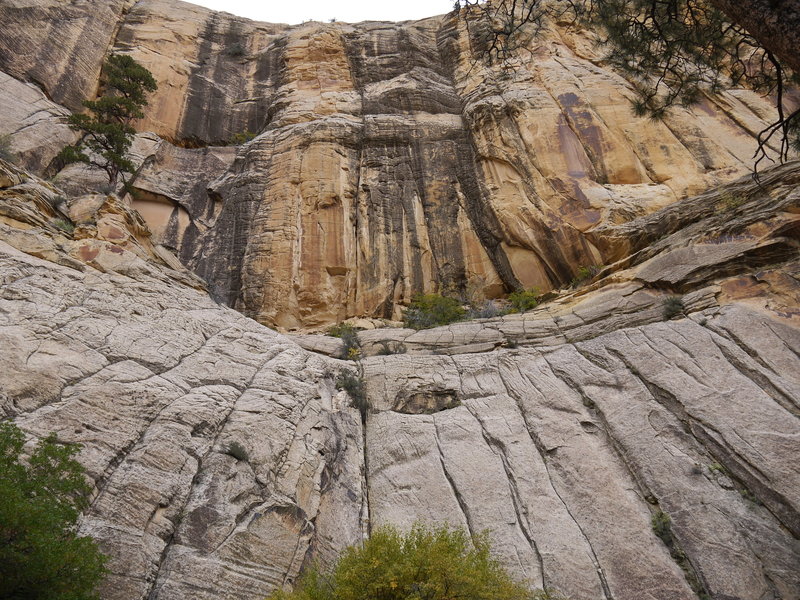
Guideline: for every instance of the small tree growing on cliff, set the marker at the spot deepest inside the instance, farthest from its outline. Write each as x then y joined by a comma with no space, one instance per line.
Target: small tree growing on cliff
107,131
41,556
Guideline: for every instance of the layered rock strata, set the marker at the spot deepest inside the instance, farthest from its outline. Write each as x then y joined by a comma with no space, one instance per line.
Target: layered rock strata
563,435
388,159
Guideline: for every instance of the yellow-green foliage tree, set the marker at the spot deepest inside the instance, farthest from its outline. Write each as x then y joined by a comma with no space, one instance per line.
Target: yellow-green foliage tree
424,564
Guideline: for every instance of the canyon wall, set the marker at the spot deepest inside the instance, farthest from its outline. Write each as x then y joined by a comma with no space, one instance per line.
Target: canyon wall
562,431
387,159
305,174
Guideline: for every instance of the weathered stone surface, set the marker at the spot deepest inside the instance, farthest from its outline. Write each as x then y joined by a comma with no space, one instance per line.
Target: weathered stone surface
155,381
389,160
59,46
171,191
562,431
386,162
605,432
98,230
36,125
710,261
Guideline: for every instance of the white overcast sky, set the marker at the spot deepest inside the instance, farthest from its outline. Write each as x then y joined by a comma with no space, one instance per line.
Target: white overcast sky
351,11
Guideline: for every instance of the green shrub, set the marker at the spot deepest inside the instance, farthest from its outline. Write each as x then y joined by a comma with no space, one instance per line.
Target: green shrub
730,201
340,328
750,497
717,468
237,139
426,563
237,451
41,556
355,388
662,526
351,346
432,310
6,153
64,225
584,274
673,306
524,300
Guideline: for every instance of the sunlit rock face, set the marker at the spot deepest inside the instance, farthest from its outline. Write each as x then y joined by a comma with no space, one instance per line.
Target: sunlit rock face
388,159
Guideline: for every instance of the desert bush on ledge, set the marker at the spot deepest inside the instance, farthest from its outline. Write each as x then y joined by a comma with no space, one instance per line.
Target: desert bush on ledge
356,388
436,563
672,307
432,310
351,346
388,348
524,300
585,274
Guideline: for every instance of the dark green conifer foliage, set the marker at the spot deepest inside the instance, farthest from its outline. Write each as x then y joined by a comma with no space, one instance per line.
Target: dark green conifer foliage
41,557
673,51
107,131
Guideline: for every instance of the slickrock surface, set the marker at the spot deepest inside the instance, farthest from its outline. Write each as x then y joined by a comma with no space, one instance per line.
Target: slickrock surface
562,431
388,159
317,172
156,381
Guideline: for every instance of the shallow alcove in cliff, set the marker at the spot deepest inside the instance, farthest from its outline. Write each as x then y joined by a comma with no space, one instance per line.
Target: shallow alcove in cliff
426,402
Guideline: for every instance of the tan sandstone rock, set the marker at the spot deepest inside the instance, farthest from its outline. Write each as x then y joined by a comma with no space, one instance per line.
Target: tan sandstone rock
562,431
389,160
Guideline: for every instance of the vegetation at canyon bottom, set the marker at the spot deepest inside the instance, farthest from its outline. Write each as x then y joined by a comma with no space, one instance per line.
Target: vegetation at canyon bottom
108,132
41,555
434,310
425,564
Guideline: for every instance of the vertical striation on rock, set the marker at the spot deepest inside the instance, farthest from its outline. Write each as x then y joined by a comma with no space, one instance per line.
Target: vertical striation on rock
224,460
318,172
389,160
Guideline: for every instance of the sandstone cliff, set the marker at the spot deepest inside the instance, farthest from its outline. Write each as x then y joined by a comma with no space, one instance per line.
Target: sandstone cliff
385,161
562,431
388,159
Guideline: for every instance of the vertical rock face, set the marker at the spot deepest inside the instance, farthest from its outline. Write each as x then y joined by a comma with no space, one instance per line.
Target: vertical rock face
217,73
389,159
224,459
60,46
385,160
